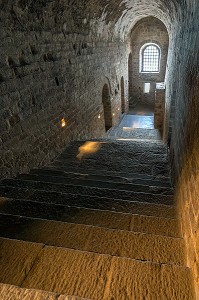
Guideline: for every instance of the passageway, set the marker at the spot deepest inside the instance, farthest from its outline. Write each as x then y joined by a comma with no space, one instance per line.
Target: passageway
69,70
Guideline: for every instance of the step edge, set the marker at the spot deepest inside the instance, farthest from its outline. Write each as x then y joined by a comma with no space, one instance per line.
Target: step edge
92,209
102,254
99,181
39,290
98,227
74,185
96,197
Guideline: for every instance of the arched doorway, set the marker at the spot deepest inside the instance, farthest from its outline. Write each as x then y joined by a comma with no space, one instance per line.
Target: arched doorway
106,101
122,95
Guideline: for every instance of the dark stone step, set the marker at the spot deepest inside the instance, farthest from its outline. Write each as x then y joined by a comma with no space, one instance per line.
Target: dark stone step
135,179
92,191
99,184
128,150
124,144
123,162
124,168
112,174
135,157
100,218
137,205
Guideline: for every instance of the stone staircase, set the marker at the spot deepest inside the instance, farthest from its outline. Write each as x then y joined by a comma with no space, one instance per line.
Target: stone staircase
101,228
134,133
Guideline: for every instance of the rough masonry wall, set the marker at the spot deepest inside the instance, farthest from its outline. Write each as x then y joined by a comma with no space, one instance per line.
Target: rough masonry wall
50,70
148,30
184,85
159,109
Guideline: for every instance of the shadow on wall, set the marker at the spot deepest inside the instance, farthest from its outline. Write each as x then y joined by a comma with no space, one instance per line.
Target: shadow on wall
122,96
130,74
106,101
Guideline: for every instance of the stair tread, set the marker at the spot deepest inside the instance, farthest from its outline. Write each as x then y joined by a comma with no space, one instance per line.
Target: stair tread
108,174
101,218
89,202
116,166
12,292
86,190
134,187
63,271
116,242
146,180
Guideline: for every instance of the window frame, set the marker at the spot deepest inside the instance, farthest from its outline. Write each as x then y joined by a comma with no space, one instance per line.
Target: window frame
141,63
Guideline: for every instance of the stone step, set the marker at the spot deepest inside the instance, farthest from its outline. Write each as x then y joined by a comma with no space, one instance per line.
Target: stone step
59,270
12,292
100,218
139,179
99,184
122,243
132,133
116,166
136,153
151,158
90,202
92,191
109,174
116,154
155,147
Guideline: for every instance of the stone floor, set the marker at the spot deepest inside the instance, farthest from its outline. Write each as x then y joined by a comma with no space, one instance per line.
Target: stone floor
138,123
138,117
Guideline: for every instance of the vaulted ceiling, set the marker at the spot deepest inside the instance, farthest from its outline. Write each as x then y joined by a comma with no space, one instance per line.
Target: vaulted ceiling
113,17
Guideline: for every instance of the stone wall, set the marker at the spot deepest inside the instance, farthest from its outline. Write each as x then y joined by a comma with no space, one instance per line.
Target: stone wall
183,84
147,30
49,73
159,109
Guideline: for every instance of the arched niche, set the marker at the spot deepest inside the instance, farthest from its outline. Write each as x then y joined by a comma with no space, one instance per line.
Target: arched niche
106,101
122,95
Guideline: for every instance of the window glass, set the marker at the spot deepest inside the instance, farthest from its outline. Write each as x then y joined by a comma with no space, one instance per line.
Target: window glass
150,59
147,87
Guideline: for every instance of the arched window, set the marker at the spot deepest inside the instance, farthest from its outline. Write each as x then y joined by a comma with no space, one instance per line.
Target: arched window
150,58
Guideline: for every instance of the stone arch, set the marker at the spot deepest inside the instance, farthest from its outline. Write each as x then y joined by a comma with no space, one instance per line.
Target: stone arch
106,101
122,95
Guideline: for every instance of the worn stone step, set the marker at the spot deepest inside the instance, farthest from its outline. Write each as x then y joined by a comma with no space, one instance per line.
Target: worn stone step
116,154
133,154
112,174
132,133
131,151
90,166
92,191
92,202
59,270
136,158
134,179
100,218
12,292
112,168
124,146
99,184
123,243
